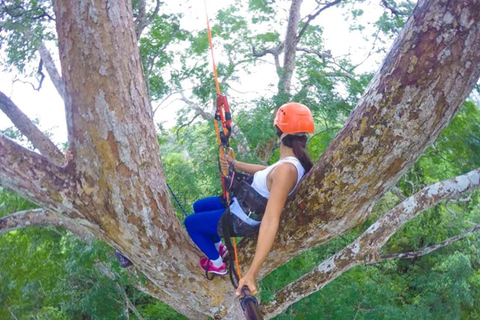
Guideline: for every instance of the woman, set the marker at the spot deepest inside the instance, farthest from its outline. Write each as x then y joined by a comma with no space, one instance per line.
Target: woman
293,121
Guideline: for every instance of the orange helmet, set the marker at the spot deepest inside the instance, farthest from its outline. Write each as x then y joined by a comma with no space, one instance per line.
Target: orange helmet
294,117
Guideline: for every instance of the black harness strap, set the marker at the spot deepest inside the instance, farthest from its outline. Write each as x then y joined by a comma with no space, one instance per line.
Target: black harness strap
227,233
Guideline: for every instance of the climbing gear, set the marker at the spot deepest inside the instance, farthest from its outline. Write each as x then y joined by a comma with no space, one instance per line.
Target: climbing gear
249,305
251,202
223,132
293,118
124,262
176,200
207,266
227,233
222,114
236,227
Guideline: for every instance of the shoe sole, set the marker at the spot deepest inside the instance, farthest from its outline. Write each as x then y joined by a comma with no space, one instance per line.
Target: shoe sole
222,273
218,273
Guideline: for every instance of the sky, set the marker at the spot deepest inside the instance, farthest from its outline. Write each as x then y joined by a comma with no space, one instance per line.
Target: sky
47,106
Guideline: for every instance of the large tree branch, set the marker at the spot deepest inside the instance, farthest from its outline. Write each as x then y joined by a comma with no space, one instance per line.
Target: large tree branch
36,217
427,250
289,51
365,248
142,22
275,52
52,69
28,129
34,177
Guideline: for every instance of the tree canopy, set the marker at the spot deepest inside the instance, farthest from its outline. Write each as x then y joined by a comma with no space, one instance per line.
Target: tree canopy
392,182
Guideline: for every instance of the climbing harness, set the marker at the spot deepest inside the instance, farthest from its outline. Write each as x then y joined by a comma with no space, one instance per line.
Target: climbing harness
223,130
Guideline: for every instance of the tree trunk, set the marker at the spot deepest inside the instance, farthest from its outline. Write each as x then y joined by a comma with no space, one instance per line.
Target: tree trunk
119,181
115,186
290,47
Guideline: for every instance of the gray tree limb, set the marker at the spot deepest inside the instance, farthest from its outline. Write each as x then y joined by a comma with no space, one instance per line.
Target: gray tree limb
52,69
275,52
291,41
398,193
38,217
34,177
142,22
39,140
427,250
364,250
312,17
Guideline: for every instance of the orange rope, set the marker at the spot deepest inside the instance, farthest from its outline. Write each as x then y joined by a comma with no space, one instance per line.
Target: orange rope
211,49
236,258
217,86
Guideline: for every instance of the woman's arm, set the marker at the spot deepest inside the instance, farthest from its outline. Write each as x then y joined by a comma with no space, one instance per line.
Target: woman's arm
247,167
284,178
240,166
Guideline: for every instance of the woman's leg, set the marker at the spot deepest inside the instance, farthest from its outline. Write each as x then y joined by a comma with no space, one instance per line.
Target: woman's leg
207,204
202,228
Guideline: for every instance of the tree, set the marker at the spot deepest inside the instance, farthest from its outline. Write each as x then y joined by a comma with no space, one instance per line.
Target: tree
115,187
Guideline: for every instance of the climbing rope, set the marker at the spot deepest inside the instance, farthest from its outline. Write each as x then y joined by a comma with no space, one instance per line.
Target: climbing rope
222,115
176,200
223,131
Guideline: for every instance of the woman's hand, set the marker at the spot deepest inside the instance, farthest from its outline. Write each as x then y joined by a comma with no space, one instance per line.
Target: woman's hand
248,280
226,160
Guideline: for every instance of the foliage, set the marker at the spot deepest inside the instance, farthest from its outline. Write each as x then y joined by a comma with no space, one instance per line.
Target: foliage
25,23
46,273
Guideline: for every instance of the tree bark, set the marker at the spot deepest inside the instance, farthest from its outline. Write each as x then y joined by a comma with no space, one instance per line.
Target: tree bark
115,186
120,182
37,217
290,47
52,69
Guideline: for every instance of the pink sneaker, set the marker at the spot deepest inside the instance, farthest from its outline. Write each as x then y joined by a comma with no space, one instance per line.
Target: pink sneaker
223,251
205,262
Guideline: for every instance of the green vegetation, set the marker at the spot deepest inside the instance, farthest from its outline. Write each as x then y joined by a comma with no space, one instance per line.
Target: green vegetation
48,274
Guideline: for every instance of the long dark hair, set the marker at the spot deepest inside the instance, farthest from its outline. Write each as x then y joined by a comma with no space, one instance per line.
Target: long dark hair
298,144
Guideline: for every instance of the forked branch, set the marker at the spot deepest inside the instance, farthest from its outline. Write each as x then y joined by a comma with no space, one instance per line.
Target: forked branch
29,130
34,177
312,17
364,250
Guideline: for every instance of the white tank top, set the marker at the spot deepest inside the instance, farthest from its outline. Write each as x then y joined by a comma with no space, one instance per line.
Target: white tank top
260,185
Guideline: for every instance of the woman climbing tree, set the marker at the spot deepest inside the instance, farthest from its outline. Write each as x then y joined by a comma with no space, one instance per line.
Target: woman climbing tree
293,122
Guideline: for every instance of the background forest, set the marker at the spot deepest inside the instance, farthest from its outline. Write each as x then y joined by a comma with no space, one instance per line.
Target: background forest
48,273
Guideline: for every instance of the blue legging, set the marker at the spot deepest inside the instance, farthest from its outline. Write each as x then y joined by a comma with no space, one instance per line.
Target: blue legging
202,225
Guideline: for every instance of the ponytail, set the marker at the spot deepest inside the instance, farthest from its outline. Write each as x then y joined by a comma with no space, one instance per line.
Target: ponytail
298,144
